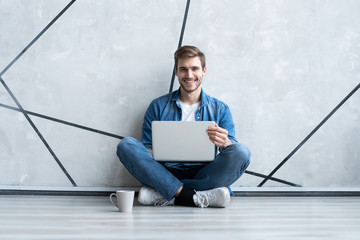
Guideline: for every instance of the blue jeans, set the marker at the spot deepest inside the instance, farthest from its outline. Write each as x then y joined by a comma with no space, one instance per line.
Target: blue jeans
227,167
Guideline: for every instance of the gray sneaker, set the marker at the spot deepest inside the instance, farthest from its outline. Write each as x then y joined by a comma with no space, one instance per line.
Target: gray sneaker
149,196
218,197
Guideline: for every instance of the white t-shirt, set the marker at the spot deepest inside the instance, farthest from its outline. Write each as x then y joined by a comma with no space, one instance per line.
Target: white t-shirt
188,111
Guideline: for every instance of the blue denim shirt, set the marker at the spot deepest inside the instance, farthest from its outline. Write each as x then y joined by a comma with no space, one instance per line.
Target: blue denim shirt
167,108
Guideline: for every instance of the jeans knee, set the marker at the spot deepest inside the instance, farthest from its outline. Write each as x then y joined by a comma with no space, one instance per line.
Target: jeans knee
123,146
243,153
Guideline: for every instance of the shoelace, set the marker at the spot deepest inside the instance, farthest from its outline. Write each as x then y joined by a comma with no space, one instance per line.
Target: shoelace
162,202
203,200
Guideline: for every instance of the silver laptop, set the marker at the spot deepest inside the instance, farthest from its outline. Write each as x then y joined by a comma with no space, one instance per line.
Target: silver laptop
182,141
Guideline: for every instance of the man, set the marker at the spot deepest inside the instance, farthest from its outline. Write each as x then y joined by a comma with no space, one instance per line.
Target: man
187,184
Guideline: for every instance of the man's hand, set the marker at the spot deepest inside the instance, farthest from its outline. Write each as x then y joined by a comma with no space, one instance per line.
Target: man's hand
218,136
150,150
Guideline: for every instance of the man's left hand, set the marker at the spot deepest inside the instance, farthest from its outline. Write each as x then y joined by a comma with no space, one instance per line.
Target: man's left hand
218,136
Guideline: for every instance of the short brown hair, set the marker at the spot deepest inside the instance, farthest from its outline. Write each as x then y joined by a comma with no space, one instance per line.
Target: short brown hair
189,52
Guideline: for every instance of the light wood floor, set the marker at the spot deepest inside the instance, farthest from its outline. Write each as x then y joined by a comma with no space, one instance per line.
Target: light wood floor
75,217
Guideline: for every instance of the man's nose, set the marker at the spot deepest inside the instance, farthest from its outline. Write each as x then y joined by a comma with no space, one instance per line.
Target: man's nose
189,74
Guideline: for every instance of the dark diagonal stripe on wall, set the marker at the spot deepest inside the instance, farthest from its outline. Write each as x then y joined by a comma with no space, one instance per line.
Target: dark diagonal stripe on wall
309,136
272,178
180,41
36,38
62,121
37,132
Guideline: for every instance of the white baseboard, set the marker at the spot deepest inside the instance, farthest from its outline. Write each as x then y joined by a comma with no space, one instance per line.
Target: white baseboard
238,191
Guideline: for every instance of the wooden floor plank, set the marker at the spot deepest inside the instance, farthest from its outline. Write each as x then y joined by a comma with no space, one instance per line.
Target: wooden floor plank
76,217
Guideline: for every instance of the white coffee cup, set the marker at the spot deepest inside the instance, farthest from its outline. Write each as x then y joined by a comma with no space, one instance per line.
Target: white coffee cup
124,200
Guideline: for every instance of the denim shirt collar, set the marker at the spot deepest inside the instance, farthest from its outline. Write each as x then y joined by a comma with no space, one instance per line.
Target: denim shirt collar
204,98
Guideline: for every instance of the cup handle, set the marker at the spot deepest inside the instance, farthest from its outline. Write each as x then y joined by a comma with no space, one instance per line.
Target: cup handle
111,199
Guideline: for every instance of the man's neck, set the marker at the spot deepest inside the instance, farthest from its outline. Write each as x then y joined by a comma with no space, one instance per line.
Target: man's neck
190,98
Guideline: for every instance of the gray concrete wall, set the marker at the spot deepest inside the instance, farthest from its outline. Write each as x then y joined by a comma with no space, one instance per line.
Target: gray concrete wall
281,66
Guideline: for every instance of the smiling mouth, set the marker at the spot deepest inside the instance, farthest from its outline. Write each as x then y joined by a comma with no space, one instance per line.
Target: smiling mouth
189,81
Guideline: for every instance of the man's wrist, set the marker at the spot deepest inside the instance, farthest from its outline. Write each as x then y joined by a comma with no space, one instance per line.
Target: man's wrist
227,143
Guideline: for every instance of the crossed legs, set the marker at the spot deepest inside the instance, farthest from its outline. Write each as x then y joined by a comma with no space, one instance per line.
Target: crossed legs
227,167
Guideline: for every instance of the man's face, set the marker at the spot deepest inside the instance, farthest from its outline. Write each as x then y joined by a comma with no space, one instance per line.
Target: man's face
190,73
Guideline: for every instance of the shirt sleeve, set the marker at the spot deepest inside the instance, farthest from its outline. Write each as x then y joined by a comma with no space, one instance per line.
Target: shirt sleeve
226,121
150,116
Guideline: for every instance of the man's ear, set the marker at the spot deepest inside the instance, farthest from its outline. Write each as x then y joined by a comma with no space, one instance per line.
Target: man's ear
204,70
175,69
